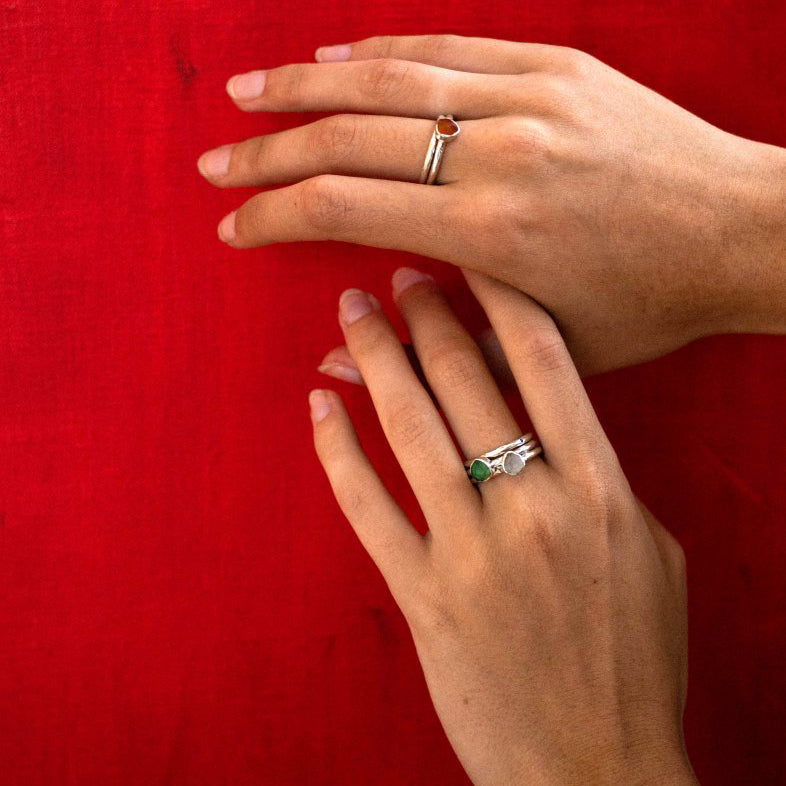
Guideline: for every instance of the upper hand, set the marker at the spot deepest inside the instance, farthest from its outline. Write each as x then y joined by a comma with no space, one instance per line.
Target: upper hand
636,224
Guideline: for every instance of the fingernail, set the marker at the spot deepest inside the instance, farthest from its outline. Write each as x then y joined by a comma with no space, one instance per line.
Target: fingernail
354,304
244,87
226,229
405,277
332,54
319,405
342,372
215,163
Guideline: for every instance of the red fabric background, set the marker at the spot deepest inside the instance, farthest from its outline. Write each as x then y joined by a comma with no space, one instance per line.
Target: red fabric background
180,600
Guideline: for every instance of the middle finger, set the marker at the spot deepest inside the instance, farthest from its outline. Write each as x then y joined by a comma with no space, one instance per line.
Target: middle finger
384,87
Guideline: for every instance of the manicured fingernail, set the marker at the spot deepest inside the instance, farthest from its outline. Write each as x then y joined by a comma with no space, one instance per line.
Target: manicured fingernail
340,371
354,304
319,404
215,163
332,54
244,87
226,229
405,277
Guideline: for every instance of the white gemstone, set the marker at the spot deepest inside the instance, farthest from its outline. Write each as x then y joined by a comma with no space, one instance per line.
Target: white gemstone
512,463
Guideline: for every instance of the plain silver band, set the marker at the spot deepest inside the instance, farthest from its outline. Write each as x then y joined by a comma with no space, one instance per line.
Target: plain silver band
424,172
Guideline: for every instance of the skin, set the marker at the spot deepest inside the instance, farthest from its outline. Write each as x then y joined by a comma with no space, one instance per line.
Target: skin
637,225
548,609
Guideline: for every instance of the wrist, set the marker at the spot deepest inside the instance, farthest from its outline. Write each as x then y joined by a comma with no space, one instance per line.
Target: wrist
752,261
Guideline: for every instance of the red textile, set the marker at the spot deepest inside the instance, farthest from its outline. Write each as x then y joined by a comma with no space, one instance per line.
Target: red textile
181,602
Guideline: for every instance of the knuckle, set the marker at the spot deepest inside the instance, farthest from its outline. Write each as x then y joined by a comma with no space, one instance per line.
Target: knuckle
351,499
439,46
575,61
335,138
598,491
285,83
406,426
324,202
545,350
431,610
454,365
386,79
379,45
523,141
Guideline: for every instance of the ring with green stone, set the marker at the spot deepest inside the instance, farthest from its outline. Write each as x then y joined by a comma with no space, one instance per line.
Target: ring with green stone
509,459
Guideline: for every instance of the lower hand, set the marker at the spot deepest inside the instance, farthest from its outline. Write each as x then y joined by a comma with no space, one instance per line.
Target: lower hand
547,609
637,225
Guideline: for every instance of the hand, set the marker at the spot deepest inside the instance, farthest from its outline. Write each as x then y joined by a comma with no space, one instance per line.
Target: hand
547,609
637,225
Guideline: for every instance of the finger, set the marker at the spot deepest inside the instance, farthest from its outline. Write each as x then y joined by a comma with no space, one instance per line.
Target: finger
453,364
385,532
339,364
388,148
382,87
544,371
460,53
380,213
409,419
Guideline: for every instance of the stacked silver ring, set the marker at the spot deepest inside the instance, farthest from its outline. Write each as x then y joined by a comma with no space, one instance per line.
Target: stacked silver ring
446,128
509,459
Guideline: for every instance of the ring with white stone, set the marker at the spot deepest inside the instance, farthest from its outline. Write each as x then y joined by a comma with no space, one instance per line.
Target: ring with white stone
445,129
509,459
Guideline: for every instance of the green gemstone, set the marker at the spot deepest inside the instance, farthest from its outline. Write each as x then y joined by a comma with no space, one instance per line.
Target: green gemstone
479,470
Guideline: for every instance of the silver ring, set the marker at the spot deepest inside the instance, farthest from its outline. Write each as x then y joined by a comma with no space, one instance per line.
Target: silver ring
445,129
509,459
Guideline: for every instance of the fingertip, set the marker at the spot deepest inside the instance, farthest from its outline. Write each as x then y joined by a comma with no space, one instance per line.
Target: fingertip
226,229
333,54
320,405
406,277
340,371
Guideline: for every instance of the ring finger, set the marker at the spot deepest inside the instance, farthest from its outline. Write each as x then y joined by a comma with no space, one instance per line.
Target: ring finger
388,148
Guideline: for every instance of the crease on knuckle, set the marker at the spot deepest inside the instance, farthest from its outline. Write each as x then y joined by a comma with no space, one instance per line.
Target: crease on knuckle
324,203
407,426
335,138
545,349
386,79
351,498
285,84
455,365
440,46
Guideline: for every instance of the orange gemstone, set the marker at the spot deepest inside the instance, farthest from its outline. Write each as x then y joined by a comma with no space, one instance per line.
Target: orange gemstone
447,127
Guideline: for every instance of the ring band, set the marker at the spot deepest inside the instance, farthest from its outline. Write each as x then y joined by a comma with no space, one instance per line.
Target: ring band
509,459
445,129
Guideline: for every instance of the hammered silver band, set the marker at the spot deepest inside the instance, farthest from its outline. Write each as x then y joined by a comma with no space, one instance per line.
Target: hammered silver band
445,129
509,459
